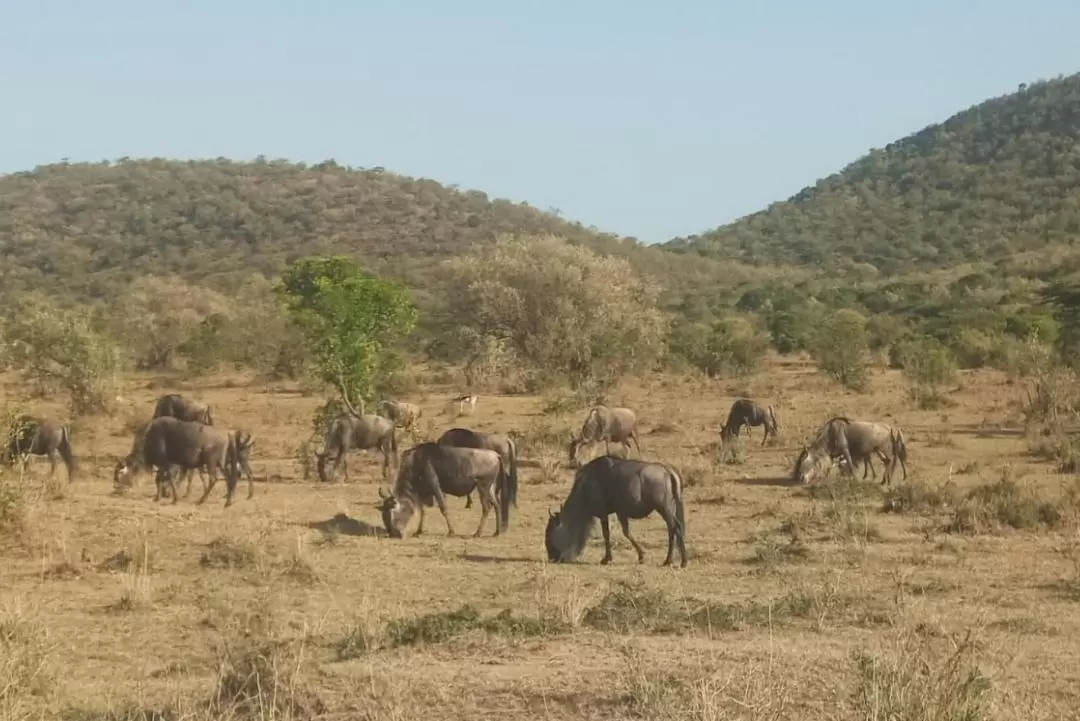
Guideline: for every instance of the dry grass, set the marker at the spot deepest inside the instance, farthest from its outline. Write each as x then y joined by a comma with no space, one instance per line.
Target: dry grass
842,601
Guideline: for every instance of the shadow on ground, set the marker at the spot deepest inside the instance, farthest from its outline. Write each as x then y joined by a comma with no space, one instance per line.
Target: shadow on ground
341,523
772,481
475,558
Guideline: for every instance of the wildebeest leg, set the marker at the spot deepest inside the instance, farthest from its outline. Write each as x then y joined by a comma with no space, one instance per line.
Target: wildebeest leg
52,464
633,437
172,485
468,500
206,492
625,523
344,458
868,466
420,526
486,503
157,485
671,530
607,540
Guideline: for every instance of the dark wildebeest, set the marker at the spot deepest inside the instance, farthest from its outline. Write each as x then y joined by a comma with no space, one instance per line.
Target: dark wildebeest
503,445
429,471
168,443
404,415
629,489
745,412
183,409
607,425
853,442
359,432
40,437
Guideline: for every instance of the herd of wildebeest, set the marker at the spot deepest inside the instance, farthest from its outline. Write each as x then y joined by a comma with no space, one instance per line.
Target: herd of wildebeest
181,438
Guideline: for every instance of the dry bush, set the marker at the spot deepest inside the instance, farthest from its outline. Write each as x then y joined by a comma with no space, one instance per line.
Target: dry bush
917,681
918,497
26,674
1005,503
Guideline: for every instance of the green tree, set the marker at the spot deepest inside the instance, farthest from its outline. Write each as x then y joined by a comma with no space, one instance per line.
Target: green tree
62,349
928,365
840,347
348,318
566,311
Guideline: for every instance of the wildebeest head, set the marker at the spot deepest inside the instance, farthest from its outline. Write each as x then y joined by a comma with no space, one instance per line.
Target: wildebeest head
124,472
808,465
553,552
395,514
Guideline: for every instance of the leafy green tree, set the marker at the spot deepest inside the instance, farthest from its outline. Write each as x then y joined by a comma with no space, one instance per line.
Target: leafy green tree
928,365
348,318
840,348
62,349
568,312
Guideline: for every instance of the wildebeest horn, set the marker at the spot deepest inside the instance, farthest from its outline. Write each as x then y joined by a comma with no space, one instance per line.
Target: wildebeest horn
551,514
382,494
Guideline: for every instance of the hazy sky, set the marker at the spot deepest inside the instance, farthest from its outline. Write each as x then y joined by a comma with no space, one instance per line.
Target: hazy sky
644,118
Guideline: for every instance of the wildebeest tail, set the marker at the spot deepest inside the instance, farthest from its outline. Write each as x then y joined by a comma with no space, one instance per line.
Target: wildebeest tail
65,451
509,492
772,418
676,490
898,444
512,476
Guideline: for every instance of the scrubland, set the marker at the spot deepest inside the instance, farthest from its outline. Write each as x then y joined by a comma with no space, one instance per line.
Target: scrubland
952,595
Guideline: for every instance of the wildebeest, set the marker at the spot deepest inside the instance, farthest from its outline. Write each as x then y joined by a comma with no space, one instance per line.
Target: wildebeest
40,437
402,414
183,409
429,471
745,412
168,443
359,432
626,487
854,442
503,445
244,443
607,425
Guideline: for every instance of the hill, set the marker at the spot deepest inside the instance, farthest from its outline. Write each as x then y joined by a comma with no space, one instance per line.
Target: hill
996,179
84,230
89,225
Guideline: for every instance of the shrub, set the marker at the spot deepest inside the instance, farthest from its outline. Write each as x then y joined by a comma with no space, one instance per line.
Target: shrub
840,347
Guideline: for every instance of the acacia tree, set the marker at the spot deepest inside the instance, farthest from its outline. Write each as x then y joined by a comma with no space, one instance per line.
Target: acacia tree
561,308
347,317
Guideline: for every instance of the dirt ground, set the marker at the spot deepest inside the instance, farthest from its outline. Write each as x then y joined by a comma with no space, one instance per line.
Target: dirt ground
798,602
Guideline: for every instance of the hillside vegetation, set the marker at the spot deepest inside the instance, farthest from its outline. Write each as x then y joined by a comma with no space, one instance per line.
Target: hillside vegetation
995,179
85,230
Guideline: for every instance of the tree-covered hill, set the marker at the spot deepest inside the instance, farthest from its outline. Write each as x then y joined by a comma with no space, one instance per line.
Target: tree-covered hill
87,226
1000,177
83,231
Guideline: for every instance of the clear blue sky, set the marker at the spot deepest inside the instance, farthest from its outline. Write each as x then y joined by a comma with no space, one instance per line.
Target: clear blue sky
651,119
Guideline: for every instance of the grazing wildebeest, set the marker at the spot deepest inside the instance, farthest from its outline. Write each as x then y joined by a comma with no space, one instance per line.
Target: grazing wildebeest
854,442
402,414
183,409
40,437
607,425
429,471
244,443
168,443
626,487
503,445
359,432
745,412
469,399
